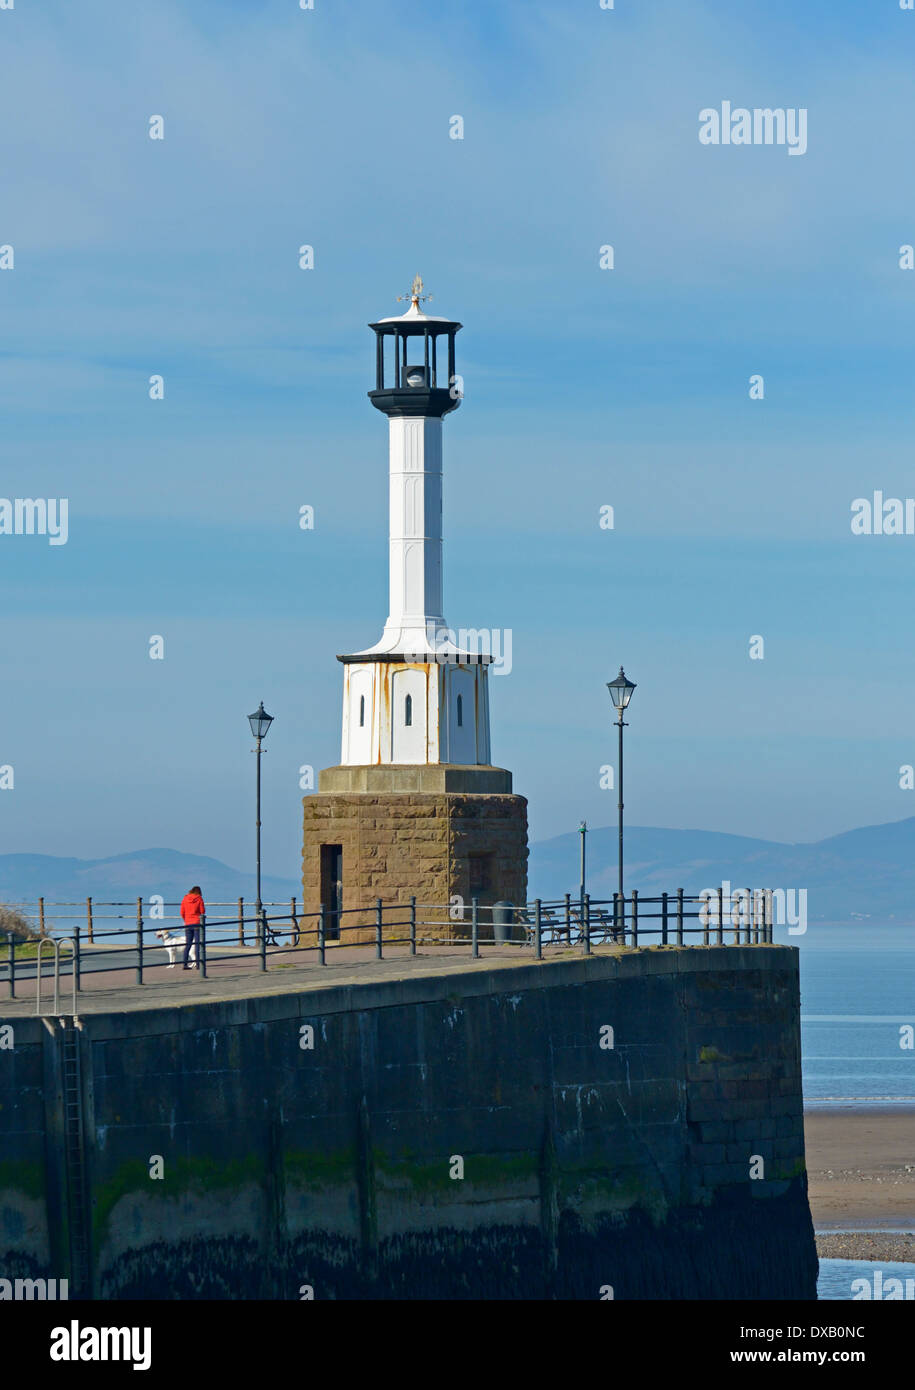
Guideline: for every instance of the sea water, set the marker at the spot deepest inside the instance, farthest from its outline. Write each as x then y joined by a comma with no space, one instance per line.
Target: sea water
857,1003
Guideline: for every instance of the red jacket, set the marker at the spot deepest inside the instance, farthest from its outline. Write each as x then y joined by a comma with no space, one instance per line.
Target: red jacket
192,909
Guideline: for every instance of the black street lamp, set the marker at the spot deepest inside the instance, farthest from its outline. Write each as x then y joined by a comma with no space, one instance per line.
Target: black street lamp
583,832
621,693
260,722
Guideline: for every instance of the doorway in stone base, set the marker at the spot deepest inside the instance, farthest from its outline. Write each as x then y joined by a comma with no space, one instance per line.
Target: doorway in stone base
480,878
332,889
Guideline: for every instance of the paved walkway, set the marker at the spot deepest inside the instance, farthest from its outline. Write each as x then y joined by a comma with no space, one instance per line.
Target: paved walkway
115,991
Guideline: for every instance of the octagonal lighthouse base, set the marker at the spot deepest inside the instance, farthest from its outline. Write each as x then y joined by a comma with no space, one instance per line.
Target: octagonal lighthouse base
443,834
401,708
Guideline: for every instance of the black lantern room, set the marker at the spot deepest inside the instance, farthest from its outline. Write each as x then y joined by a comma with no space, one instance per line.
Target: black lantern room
414,370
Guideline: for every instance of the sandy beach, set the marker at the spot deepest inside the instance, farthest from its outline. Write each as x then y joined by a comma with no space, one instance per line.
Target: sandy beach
861,1174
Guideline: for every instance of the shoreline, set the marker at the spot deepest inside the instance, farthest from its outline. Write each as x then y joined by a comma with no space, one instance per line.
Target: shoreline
861,1179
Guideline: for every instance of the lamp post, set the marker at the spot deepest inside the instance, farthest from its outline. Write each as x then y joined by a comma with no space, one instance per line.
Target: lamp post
260,722
620,693
583,832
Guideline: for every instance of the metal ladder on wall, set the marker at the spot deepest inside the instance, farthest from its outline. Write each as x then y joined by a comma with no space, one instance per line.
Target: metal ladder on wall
74,1159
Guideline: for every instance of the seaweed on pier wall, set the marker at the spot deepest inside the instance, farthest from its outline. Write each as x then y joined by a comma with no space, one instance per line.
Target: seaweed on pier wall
738,1247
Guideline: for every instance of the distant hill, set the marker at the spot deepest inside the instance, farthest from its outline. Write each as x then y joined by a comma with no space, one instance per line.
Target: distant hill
862,873
124,877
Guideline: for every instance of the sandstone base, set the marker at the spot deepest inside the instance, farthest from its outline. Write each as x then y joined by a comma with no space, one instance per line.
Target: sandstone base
436,846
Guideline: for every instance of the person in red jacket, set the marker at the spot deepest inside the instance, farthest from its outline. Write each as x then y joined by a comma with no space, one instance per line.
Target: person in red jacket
193,910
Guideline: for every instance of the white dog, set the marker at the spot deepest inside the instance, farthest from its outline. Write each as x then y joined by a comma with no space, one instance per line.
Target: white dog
171,944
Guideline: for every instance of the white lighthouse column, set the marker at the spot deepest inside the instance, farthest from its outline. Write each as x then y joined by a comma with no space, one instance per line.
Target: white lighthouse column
415,532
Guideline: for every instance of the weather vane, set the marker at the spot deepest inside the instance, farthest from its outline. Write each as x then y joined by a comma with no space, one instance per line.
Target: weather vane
416,293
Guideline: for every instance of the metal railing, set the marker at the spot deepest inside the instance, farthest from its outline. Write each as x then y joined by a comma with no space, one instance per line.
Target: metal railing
582,923
55,943
52,917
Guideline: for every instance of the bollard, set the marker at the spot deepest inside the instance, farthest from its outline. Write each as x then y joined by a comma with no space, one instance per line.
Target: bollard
378,920
538,942
321,911
412,926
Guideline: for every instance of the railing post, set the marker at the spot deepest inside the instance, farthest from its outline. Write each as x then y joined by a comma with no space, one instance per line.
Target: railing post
321,912
770,926
679,916
706,909
262,936
378,921
413,926
41,915
635,917
139,941
747,919
203,947
89,919
241,921
616,919
474,928
538,942
719,926
12,960
663,919
586,925
76,957
568,919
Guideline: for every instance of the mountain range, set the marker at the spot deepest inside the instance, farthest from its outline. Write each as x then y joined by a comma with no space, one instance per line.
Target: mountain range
125,877
867,873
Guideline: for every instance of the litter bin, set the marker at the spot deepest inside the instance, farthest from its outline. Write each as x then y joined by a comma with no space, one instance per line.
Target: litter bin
502,916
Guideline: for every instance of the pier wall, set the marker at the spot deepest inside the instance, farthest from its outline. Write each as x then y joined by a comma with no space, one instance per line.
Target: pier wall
476,1132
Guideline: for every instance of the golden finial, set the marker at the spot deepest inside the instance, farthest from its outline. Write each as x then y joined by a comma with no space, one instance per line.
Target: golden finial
416,293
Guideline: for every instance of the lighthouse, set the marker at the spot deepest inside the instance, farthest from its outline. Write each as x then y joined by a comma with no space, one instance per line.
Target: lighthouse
416,697
415,808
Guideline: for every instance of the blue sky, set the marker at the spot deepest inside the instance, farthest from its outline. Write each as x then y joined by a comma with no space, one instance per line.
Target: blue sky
583,387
